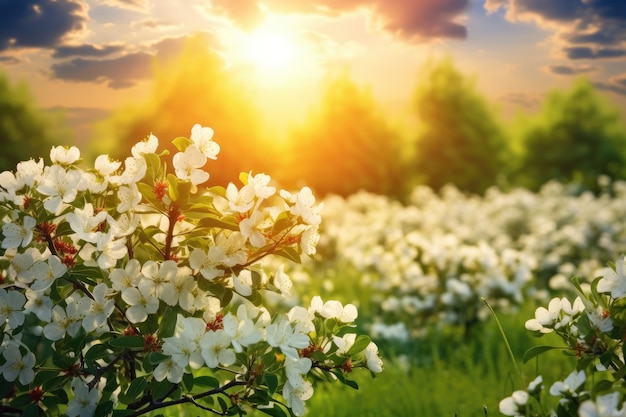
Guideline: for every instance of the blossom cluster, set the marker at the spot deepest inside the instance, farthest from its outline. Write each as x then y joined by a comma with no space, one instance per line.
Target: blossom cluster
592,329
433,258
124,286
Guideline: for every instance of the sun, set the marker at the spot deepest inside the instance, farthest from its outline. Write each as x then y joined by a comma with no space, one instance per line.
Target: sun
271,51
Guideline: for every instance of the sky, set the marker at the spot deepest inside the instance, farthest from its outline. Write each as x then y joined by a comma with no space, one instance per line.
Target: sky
90,56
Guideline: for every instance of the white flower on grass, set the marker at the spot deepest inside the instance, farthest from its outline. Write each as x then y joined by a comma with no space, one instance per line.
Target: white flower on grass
64,155
129,197
240,201
607,405
27,173
282,280
46,272
180,290
260,184
243,282
296,369
207,262
233,244
141,303
157,276
545,319
514,405
202,137
296,396
21,263
570,386
134,170
124,225
333,309
17,366
241,329
184,346
126,278
168,369
303,318
613,281
215,349
304,206
281,335
18,233
105,166
85,400
60,187
372,358
251,228
309,239
65,321
536,385
40,304
99,308
11,308
344,343
188,164
111,250
85,222
148,145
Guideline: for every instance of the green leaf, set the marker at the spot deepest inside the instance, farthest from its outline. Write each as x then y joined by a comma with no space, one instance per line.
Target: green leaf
135,343
274,411
181,143
537,350
188,382
135,390
271,381
31,411
361,342
168,323
156,358
97,352
603,385
290,253
206,381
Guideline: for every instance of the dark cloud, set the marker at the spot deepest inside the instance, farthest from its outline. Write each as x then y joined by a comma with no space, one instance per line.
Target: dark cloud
569,69
9,60
585,52
119,72
86,50
414,21
587,29
39,23
153,24
615,84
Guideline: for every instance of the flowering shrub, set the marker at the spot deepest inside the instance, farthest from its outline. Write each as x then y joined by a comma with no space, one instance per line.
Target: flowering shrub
127,288
592,329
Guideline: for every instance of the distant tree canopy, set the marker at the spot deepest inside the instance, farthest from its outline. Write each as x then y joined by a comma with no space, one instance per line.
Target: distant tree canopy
575,138
194,88
346,145
461,142
25,131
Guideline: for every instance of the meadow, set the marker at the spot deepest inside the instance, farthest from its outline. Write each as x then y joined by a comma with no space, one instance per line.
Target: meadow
420,273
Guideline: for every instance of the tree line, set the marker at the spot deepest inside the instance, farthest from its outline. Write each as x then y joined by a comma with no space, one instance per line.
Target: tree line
347,143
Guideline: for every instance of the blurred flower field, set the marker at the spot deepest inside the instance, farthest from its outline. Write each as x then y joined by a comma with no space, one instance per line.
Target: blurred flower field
419,272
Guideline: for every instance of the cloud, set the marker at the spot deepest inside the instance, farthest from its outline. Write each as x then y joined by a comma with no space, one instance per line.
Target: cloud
86,50
119,72
140,5
585,29
524,99
412,21
153,24
40,23
585,52
615,84
9,60
569,69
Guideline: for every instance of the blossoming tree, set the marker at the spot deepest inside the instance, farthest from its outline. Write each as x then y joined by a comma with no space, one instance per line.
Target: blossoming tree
127,288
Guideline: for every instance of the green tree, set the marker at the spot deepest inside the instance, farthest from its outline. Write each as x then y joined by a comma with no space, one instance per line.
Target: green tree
195,87
576,137
25,130
346,145
460,142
